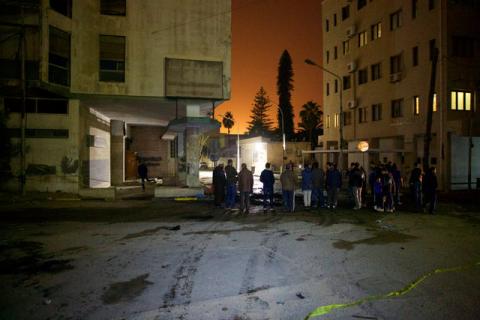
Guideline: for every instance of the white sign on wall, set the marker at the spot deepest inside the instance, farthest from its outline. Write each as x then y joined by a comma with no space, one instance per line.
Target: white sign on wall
193,79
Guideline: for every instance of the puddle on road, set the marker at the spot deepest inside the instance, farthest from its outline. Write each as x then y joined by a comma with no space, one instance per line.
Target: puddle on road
126,291
149,232
28,257
381,237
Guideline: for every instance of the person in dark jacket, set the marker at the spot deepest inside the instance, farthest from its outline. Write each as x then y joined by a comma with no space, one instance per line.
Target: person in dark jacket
333,184
143,173
318,183
232,178
218,184
356,183
268,180
288,178
430,185
307,186
245,187
416,186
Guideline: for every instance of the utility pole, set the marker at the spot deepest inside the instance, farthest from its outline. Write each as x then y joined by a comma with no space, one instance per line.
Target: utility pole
431,92
23,120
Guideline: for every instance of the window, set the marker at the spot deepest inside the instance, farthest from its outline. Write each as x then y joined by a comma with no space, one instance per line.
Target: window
362,115
396,64
336,120
335,20
416,105
347,118
327,25
362,38
62,6
345,12
173,148
431,45
346,47
112,58
59,57
396,20
376,71
327,56
414,8
336,85
335,52
434,103
327,124
397,108
377,112
461,100
113,7
39,133
362,76
327,89
431,4
361,4
376,30
463,47
415,56
347,83
38,105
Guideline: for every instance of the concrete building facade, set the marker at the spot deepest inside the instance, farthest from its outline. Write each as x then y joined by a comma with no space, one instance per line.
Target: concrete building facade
382,53
105,80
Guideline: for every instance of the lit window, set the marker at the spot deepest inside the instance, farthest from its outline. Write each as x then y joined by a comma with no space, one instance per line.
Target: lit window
328,121
376,31
461,100
434,104
336,120
416,105
362,38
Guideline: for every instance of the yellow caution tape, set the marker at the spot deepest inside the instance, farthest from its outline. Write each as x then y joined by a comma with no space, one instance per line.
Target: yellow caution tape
185,199
320,311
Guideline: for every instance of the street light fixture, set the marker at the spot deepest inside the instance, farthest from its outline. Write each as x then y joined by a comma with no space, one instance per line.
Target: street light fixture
340,142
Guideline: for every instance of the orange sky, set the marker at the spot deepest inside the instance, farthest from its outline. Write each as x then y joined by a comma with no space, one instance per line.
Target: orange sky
261,30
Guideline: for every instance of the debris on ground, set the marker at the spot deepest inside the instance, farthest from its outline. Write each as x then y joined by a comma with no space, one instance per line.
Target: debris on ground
300,295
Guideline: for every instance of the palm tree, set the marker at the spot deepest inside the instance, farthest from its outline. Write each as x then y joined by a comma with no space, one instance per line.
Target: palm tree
228,121
311,117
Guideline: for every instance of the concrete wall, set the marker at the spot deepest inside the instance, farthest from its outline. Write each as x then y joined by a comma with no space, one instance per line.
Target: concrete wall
154,30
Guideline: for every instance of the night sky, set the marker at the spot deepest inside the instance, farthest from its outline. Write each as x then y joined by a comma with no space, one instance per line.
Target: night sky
261,30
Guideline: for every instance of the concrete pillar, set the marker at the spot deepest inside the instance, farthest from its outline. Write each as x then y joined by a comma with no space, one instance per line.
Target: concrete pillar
192,153
117,152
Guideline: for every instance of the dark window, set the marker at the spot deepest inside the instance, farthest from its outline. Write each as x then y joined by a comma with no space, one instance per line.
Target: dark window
59,57
397,108
347,118
361,4
173,148
463,47
39,133
335,53
414,8
327,89
112,58
376,71
345,12
363,76
431,45
327,56
38,105
346,47
396,64
113,7
336,85
62,6
327,25
334,19
362,115
431,4
396,20
415,56
347,83
377,112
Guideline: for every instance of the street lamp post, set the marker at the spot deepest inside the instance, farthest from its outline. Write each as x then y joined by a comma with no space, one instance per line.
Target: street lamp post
283,139
340,118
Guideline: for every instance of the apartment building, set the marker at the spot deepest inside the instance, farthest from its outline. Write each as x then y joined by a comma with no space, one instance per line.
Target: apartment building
382,52
110,82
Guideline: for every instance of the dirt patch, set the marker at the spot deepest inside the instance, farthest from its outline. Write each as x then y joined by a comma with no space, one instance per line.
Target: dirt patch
73,250
381,237
227,231
28,257
126,291
149,232
198,217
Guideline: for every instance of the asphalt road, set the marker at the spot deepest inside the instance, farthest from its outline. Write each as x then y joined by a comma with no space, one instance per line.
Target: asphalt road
169,260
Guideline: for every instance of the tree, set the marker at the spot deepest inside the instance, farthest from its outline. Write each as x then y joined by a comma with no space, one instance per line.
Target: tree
284,88
228,121
260,124
311,121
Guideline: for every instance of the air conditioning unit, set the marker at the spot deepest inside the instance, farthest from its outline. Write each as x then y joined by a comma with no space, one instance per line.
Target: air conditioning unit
351,104
395,77
351,31
352,66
